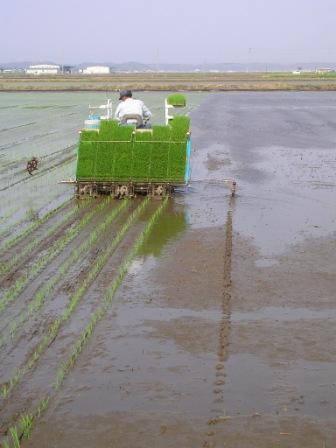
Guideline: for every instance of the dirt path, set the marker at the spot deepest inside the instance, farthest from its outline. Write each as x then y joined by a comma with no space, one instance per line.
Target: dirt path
220,334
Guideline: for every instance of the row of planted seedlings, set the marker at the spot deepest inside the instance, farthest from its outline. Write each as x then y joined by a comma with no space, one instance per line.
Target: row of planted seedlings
74,300
9,243
18,197
44,293
6,231
66,215
19,230
22,428
55,249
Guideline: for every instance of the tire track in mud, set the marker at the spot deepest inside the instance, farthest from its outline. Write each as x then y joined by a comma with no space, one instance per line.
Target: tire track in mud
24,423
54,327
58,245
223,340
44,292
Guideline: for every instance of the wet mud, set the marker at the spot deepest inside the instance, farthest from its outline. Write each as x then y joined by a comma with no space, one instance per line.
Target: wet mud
26,177
220,333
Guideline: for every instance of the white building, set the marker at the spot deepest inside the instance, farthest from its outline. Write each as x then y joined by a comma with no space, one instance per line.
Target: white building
323,70
96,70
43,69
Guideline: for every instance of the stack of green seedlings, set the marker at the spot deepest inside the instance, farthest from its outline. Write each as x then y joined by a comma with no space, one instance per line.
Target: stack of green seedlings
24,425
177,100
121,153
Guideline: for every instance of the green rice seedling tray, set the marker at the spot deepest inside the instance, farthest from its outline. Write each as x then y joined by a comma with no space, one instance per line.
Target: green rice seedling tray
116,153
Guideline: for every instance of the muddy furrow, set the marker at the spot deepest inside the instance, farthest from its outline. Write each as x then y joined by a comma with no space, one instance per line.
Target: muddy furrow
44,293
54,327
61,241
24,424
42,172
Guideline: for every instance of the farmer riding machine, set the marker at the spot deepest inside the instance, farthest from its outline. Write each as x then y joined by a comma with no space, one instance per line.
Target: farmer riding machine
123,160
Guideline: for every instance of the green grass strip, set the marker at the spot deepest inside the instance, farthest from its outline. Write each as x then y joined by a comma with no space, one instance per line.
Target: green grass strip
13,292
53,328
45,291
10,243
26,421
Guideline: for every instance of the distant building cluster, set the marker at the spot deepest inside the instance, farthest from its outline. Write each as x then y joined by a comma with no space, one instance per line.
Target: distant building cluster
320,71
43,69
51,69
54,69
134,67
324,70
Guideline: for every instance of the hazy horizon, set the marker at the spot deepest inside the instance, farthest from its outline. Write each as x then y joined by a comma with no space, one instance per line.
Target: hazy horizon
263,31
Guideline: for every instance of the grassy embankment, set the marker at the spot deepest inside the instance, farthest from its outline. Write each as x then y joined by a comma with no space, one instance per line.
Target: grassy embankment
170,82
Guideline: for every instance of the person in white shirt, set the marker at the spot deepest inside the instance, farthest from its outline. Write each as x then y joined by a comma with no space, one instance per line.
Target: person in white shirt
129,108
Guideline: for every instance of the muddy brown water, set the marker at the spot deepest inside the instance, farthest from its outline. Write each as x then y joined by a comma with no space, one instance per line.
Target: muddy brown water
221,334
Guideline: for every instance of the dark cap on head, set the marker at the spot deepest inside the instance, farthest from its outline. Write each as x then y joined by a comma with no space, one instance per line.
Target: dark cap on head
126,93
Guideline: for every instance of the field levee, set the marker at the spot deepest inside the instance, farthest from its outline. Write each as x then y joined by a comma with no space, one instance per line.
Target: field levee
170,81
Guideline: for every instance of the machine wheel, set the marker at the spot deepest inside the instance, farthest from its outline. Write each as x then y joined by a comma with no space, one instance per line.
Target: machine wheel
124,191
161,190
86,190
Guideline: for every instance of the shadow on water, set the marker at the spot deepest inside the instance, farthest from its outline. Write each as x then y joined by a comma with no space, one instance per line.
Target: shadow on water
168,227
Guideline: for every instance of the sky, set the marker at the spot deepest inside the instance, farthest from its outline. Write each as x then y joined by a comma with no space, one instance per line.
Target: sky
174,31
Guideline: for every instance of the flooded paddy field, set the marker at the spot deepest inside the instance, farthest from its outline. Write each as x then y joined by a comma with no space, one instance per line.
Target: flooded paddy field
198,321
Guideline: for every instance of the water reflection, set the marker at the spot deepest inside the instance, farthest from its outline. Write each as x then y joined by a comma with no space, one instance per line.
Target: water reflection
169,226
